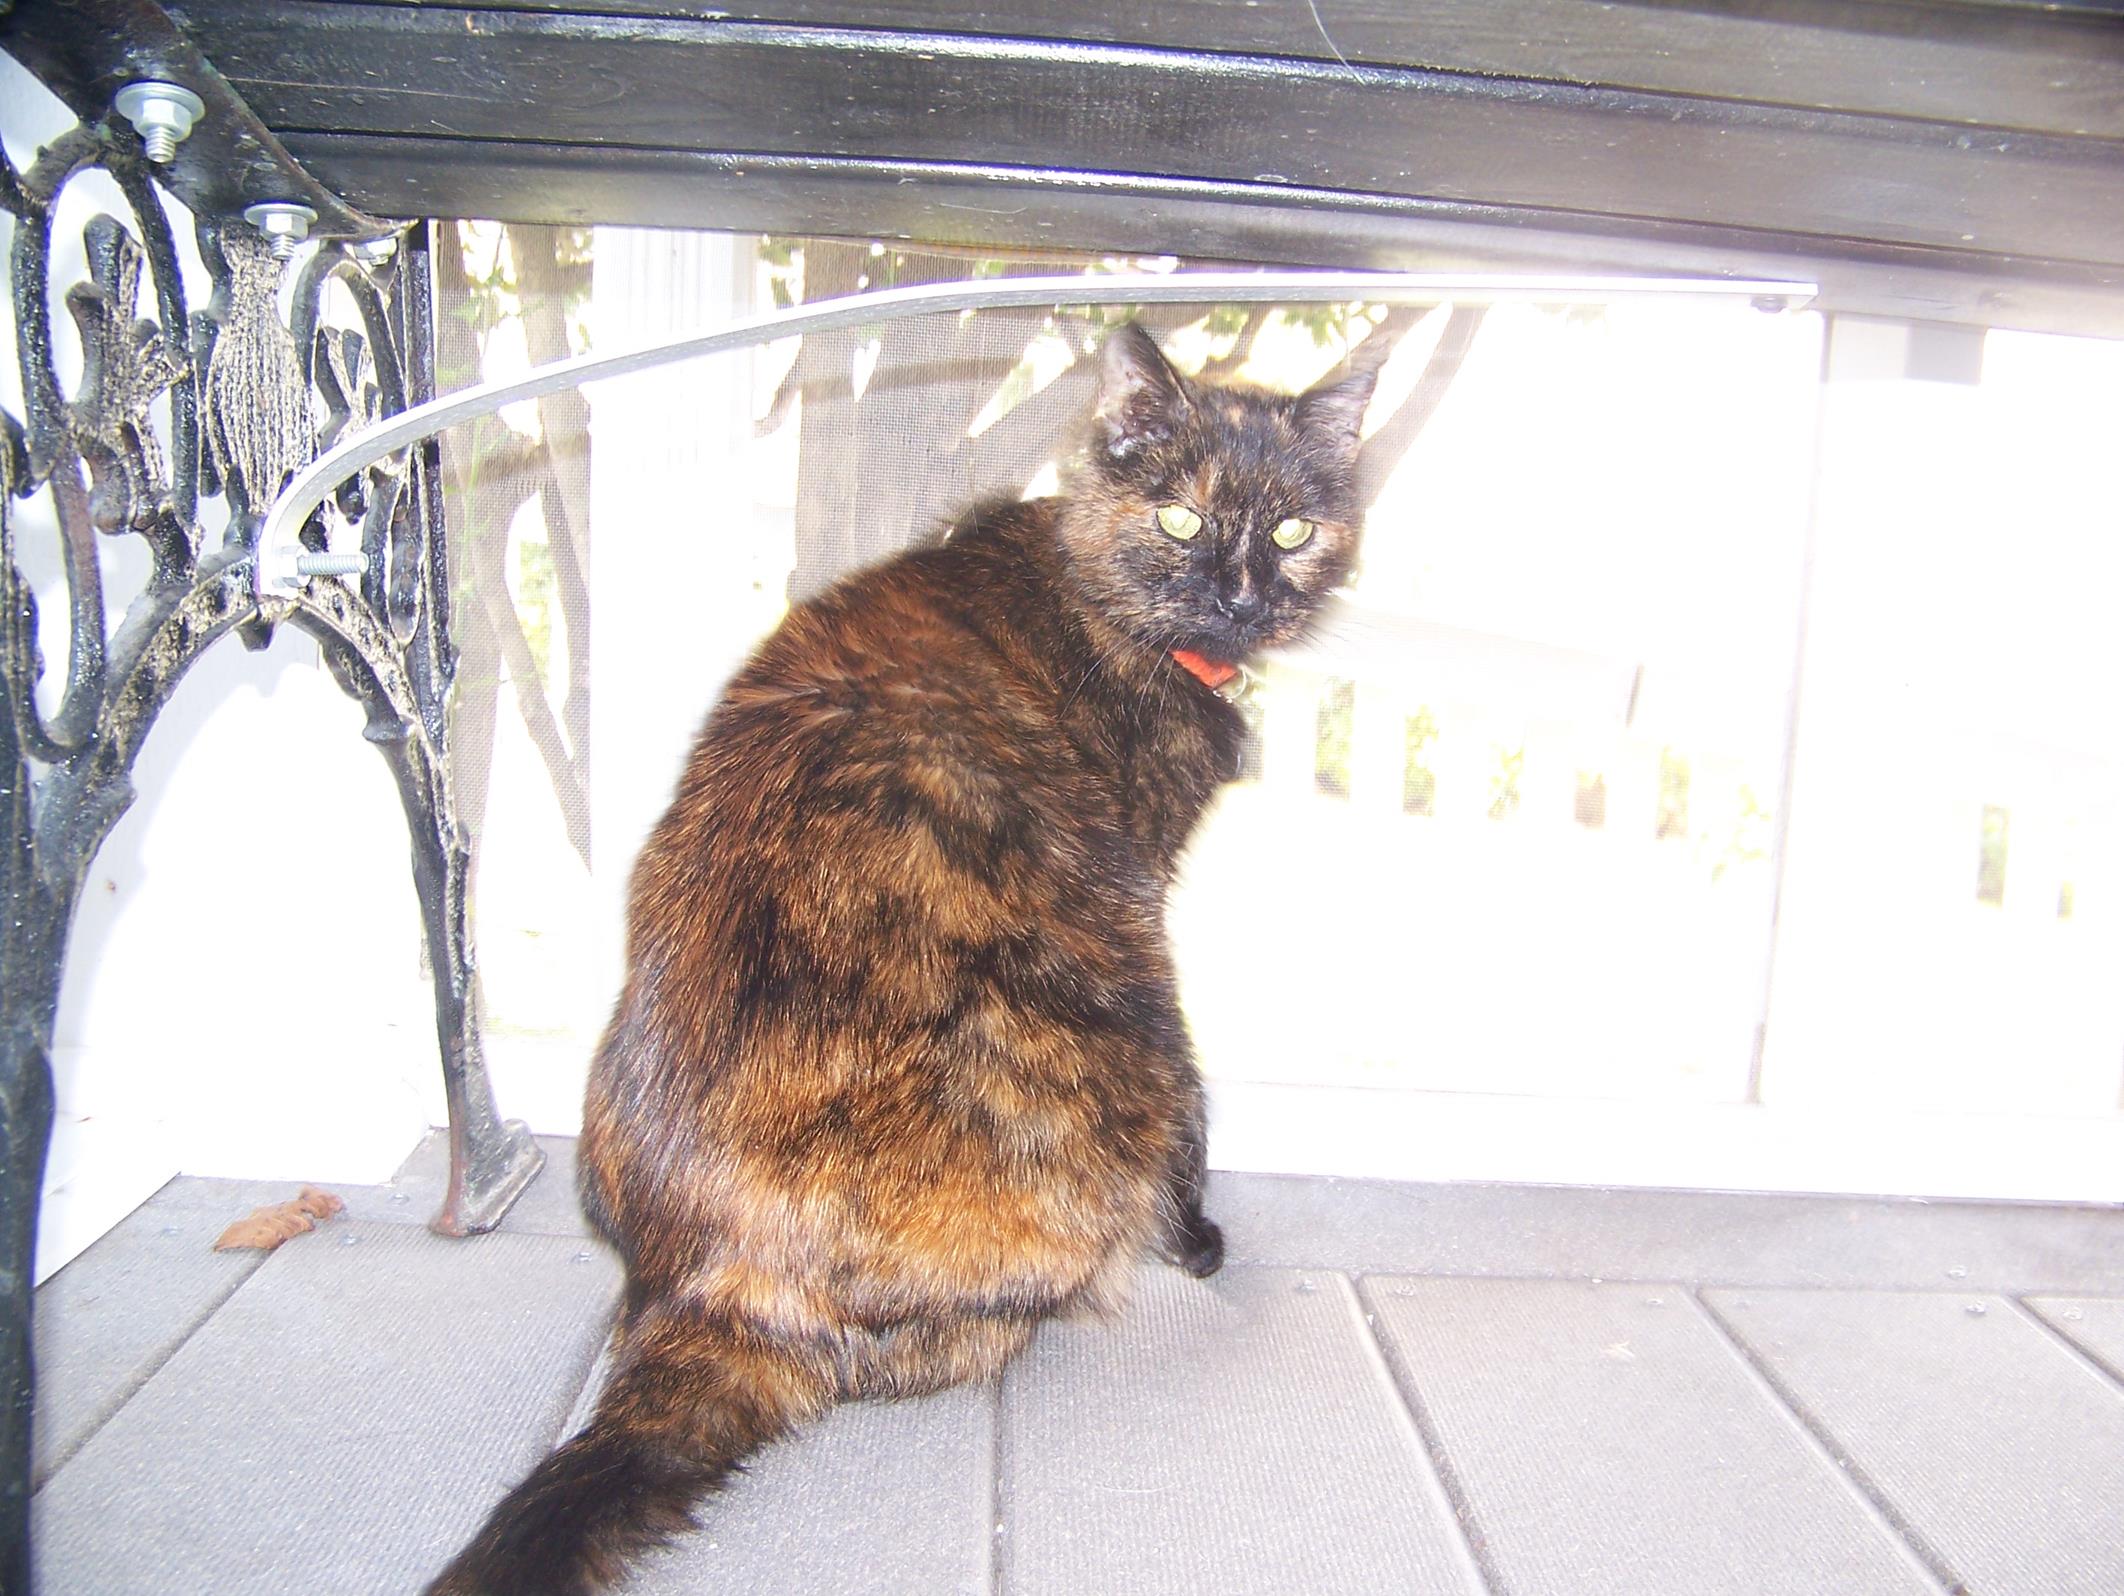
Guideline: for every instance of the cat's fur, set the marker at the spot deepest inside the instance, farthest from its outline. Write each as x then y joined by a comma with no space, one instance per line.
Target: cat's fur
898,1069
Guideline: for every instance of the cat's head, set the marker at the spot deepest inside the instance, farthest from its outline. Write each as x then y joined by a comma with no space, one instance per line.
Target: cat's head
1211,518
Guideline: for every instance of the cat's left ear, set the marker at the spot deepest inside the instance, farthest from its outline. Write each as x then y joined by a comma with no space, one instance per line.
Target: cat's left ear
1334,410
1142,400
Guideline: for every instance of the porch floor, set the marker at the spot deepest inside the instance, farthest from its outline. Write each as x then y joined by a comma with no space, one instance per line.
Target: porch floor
1389,1388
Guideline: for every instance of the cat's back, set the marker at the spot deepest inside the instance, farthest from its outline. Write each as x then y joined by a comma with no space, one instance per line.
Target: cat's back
895,751
902,653
904,673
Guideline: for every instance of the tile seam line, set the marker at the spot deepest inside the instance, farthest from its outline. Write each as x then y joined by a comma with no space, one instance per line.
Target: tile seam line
998,1462
1919,1553
132,1388
2091,1361
557,1432
1981,1286
1448,1489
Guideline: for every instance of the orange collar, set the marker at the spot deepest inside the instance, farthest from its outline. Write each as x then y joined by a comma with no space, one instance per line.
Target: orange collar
1211,673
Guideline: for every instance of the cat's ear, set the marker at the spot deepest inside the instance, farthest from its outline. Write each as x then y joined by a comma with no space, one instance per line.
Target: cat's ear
1334,410
1142,400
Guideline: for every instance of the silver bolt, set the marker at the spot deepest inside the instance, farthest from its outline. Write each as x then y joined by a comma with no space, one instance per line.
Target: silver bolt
375,251
331,564
286,566
284,222
162,113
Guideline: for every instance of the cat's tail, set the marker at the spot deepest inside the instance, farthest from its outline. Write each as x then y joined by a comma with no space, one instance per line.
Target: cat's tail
685,1403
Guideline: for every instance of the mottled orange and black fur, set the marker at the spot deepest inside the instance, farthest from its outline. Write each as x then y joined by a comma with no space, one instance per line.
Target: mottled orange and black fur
899,1070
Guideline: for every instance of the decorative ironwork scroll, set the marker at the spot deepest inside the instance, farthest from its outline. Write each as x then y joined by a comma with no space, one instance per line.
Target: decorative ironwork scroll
251,400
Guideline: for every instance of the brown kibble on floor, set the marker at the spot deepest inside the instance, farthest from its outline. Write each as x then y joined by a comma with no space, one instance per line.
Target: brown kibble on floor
266,1228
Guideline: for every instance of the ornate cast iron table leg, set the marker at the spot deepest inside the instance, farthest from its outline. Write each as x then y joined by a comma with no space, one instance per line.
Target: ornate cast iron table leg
401,671
250,401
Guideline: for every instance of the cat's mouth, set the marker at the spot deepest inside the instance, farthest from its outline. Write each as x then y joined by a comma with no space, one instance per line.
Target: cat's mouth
1219,645
1229,640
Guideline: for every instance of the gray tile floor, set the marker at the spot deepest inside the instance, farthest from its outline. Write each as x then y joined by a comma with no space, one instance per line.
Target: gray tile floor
1389,1388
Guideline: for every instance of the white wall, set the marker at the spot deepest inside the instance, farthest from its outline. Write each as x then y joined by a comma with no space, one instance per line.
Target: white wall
1962,653
1958,652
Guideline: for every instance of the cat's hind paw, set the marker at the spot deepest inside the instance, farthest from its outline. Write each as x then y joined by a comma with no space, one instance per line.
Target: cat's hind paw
1198,1247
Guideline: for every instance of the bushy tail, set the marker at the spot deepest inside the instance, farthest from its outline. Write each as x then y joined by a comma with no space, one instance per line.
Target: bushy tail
684,1405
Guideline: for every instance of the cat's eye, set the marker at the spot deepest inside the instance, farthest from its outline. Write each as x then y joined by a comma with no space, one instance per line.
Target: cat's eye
1293,533
1177,520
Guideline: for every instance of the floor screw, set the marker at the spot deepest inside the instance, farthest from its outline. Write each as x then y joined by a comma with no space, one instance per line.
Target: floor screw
285,223
162,113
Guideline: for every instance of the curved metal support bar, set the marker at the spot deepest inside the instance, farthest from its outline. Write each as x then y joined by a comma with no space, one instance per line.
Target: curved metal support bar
309,487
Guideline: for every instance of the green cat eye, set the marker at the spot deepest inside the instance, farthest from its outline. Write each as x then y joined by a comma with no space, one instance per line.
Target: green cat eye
1292,534
1179,521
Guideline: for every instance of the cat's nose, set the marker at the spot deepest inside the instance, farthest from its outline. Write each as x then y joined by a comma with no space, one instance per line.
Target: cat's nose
1243,605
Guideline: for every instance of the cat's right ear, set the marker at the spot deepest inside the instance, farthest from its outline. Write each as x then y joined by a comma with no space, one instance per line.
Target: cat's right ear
1142,400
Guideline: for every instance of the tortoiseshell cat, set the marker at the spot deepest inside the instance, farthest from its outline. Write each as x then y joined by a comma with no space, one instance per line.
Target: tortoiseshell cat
898,1069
